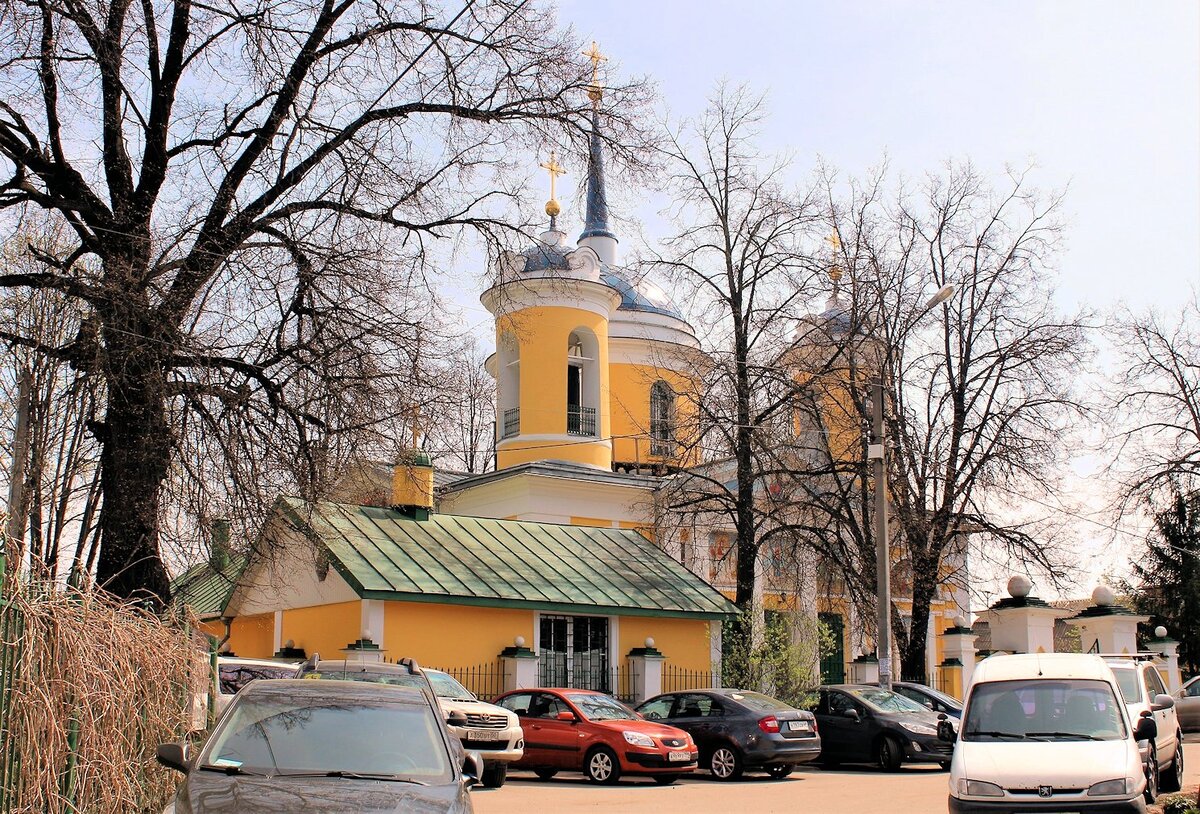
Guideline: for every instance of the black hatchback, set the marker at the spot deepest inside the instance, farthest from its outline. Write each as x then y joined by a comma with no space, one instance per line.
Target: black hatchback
861,723
739,730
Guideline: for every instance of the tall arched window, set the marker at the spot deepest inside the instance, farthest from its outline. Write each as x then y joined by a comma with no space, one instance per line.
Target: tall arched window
662,419
583,382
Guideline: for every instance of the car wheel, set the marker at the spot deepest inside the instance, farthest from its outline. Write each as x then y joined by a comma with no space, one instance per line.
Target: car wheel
1151,791
545,774
601,766
779,772
665,779
725,763
495,775
888,754
1173,780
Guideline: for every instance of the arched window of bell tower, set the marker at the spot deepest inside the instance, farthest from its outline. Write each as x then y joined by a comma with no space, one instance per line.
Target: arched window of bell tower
508,395
662,419
583,382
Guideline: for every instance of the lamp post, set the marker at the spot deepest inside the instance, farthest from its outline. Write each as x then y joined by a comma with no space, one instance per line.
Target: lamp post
877,453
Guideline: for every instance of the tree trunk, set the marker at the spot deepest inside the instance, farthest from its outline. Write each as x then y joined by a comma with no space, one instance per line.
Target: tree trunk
912,653
136,452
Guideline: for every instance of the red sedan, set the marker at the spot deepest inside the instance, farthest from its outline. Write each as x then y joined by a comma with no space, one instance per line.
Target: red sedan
582,730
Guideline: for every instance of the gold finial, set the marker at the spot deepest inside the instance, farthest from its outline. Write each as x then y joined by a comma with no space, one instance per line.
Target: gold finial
835,245
595,93
555,169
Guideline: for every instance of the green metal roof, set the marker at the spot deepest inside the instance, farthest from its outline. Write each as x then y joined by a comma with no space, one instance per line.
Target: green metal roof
205,589
385,554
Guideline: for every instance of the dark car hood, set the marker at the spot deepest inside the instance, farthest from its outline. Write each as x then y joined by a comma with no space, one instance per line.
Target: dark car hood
212,792
929,718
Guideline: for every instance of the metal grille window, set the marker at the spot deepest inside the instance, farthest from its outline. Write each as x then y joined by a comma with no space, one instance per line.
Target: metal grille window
512,422
574,653
662,423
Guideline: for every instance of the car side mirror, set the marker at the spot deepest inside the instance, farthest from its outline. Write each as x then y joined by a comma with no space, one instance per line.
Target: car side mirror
1146,729
456,718
1162,701
852,714
945,729
566,715
173,756
472,768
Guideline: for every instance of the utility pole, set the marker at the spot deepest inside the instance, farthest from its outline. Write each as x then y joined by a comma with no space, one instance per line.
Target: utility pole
877,452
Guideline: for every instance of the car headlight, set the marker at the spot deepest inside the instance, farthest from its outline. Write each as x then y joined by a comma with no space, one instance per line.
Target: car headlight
979,788
920,729
638,739
1118,786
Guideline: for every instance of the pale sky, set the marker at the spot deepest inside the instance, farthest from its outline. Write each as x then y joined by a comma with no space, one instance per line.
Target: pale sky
1102,97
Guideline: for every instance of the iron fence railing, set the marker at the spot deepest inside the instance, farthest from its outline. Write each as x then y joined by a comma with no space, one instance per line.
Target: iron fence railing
512,423
581,420
486,680
678,679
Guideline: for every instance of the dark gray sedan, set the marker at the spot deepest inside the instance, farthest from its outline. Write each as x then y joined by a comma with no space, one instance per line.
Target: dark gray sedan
324,746
739,730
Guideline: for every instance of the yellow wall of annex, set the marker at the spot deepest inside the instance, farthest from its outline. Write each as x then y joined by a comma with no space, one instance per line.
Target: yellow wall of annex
253,636
684,642
452,635
323,629
592,522
630,408
541,334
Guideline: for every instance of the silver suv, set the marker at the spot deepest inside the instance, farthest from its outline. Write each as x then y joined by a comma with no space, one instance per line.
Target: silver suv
1146,695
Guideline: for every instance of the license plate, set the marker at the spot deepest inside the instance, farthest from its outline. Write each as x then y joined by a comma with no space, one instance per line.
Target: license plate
799,726
483,734
679,757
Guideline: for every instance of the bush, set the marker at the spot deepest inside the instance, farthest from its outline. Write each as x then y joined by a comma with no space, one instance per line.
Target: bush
1178,804
785,665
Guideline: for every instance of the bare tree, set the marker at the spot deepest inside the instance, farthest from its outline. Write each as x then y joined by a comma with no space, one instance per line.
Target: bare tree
980,394
463,436
1157,402
250,183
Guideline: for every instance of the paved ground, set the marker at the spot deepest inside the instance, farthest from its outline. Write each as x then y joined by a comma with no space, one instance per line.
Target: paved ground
913,790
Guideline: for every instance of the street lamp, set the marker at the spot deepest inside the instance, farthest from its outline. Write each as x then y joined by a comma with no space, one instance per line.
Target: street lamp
877,452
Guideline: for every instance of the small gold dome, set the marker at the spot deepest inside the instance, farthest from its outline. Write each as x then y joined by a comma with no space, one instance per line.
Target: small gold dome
552,208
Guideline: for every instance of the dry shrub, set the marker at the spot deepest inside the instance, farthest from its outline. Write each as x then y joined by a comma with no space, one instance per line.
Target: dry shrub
124,675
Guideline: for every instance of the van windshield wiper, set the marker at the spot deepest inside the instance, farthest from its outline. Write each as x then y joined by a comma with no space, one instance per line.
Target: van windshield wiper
1079,735
995,734
391,778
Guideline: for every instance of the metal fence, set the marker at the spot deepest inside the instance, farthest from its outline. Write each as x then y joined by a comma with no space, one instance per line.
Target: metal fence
935,679
581,420
486,681
11,629
678,679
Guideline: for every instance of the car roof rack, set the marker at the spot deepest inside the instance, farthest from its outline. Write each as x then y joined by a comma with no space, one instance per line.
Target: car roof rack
1139,656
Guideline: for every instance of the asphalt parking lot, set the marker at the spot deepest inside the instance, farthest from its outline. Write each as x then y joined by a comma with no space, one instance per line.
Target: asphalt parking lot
912,790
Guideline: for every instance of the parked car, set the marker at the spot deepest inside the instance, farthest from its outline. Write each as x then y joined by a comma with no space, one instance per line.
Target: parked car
1146,695
861,723
323,746
493,731
590,732
739,730
1187,705
1047,732
233,673
933,700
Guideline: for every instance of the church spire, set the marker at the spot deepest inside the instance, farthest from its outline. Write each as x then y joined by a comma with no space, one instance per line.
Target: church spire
596,233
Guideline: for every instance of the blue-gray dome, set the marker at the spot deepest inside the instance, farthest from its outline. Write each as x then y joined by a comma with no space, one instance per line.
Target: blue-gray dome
642,295
544,257
836,320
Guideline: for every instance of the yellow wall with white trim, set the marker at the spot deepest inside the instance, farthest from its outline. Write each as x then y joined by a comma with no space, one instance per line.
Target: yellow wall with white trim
684,642
630,408
452,635
253,637
323,629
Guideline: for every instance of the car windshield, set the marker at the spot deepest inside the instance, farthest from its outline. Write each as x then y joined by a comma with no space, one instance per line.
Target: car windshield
1043,709
1127,680
937,694
886,700
296,734
601,707
444,686
759,702
236,676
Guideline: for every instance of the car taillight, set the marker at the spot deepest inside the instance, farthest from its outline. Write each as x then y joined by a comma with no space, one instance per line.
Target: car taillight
770,724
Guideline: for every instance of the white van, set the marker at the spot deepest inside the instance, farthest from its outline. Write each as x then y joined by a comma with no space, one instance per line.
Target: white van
1047,732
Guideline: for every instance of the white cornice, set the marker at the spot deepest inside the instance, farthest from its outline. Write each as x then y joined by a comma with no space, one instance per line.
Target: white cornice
541,292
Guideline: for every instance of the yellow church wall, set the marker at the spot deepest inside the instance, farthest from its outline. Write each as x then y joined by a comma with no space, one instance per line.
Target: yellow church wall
253,636
452,635
323,629
630,413
595,522
541,334
684,642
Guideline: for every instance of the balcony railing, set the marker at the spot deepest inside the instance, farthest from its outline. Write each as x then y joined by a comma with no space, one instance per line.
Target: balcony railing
512,423
581,420
662,447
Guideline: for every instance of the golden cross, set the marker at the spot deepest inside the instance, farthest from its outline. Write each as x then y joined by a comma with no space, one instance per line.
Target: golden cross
555,169
834,241
596,57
